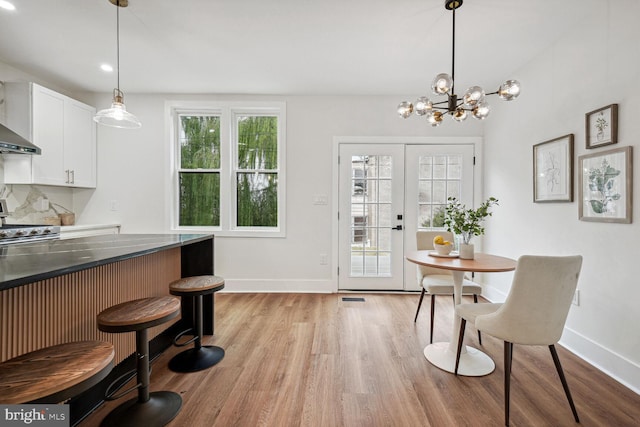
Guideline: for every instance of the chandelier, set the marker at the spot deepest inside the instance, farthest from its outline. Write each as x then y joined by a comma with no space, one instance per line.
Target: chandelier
472,102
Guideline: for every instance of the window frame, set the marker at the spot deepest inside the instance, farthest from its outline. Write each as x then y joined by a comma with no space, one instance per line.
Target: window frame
228,113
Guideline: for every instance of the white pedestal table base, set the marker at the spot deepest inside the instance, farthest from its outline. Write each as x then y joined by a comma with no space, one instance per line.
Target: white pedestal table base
473,362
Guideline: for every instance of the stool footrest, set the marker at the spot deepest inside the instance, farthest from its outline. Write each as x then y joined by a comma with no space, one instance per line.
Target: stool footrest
110,395
181,334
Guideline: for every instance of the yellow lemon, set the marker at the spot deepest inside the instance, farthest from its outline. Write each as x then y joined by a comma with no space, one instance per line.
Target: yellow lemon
438,240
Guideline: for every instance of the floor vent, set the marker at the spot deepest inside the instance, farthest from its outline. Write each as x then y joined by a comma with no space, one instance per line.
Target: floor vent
353,299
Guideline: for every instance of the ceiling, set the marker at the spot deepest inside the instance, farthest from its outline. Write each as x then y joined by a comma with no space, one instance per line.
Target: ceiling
330,47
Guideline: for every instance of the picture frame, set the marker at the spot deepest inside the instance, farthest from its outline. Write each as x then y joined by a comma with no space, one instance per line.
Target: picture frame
553,170
606,180
602,126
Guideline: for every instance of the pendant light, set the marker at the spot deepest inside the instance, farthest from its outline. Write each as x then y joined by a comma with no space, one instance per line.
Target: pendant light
117,116
473,102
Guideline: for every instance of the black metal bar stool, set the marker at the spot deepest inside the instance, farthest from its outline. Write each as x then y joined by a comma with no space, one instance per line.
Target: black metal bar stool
149,409
55,374
199,357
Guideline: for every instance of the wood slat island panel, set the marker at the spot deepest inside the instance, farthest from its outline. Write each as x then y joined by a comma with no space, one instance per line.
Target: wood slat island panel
64,308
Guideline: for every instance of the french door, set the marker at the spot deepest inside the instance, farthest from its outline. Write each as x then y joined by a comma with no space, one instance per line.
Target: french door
386,193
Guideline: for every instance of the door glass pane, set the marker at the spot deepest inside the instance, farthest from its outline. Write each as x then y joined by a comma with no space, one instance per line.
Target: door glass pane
371,215
384,215
439,177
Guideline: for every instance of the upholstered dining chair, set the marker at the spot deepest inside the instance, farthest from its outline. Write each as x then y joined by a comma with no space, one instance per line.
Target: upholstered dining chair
550,281
436,281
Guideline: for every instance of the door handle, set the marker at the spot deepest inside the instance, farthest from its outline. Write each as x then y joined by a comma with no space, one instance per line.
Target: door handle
399,227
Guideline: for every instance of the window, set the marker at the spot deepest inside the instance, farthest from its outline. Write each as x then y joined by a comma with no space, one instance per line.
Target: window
229,168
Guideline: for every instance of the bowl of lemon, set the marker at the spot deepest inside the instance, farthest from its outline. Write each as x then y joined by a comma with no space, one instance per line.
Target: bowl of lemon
441,246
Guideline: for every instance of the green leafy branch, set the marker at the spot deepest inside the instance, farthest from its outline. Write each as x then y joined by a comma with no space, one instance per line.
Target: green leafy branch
467,222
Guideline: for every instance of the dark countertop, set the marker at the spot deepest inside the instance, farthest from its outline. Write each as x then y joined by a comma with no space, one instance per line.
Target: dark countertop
22,263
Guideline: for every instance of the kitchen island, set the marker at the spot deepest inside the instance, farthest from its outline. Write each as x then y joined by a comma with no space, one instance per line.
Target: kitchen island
52,290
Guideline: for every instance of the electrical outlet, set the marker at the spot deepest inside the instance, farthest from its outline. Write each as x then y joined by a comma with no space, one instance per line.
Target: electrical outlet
113,205
324,259
576,298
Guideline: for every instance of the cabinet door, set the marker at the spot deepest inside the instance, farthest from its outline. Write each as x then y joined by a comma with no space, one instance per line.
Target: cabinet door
79,144
48,134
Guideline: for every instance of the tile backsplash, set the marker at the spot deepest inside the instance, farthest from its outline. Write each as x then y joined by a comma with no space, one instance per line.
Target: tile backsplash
30,204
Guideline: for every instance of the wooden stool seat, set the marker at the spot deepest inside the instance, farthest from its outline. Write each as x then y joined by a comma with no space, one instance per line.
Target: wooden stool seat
55,374
138,314
196,285
149,409
200,356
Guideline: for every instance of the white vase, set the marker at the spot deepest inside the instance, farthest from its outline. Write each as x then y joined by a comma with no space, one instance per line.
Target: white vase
466,251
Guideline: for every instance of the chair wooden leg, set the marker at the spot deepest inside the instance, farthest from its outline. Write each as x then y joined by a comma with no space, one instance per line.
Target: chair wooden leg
508,358
565,385
463,323
433,315
475,300
419,305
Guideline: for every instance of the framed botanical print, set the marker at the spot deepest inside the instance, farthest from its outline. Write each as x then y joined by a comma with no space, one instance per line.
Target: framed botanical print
606,181
553,170
602,126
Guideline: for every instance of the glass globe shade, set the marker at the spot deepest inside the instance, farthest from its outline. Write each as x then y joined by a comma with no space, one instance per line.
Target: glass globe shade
473,96
442,84
405,109
509,90
459,115
481,111
435,118
423,105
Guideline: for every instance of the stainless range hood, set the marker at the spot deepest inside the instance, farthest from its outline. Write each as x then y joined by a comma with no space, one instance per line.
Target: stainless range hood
11,142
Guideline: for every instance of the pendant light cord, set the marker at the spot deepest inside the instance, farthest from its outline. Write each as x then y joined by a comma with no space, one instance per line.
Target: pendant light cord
453,53
118,43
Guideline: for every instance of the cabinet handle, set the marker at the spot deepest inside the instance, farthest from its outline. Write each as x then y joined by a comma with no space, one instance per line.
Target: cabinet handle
67,172
73,177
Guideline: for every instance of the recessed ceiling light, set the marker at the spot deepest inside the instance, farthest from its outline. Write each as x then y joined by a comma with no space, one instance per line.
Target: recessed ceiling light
6,5
104,67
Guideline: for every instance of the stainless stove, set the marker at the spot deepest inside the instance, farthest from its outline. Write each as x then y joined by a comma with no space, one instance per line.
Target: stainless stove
18,233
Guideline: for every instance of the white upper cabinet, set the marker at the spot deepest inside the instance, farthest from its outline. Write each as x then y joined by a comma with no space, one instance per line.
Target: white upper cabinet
64,130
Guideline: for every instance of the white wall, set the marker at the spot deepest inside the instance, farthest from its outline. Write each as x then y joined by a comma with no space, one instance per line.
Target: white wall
596,64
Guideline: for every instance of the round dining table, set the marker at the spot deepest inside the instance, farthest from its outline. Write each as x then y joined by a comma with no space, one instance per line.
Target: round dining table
473,362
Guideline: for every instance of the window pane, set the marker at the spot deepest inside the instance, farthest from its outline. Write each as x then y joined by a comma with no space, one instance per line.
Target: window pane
257,142
439,167
199,199
455,167
257,200
385,166
424,191
200,142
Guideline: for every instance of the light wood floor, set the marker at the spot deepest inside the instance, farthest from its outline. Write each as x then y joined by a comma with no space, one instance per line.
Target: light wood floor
315,360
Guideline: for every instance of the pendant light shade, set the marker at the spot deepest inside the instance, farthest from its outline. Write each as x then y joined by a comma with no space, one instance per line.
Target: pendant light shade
117,116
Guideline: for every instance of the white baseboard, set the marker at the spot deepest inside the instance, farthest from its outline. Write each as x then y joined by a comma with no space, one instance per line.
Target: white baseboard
617,367
279,286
